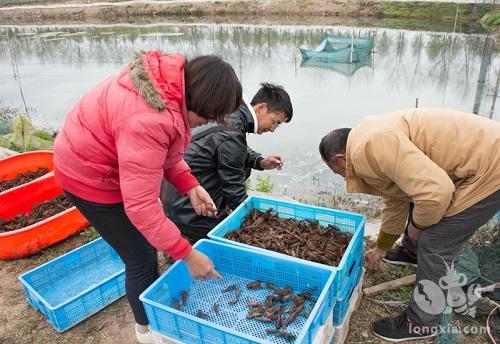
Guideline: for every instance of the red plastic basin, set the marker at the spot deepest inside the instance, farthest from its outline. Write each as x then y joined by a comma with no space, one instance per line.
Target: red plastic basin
24,162
31,239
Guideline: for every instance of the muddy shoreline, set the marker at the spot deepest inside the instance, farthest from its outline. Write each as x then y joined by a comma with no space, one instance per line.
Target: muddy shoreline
308,11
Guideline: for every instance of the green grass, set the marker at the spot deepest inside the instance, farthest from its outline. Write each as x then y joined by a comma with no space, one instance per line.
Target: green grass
7,144
393,272
264,184
248,185
488,9
493,18
421,10
180,10
44,135
90,234
198,12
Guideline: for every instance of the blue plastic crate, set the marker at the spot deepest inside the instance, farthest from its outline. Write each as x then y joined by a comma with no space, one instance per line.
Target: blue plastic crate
345,221
355,257
239,266
343,302
75,285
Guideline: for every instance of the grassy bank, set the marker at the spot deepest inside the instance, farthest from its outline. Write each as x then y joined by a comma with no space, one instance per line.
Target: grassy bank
491,20
4,3
486,14
18,134
314,10
428,10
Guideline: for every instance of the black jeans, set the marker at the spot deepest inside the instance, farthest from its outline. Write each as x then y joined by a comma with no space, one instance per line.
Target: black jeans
141,265
193,234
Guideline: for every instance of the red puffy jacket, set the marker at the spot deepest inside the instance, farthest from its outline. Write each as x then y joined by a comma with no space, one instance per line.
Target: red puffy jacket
123,136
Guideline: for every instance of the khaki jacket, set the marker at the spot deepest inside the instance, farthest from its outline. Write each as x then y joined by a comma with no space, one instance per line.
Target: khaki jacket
443,161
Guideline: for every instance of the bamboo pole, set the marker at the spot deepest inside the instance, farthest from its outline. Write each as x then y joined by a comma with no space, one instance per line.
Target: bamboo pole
394,284
352,44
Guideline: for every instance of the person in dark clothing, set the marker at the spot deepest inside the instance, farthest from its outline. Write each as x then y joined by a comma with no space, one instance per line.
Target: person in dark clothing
221,160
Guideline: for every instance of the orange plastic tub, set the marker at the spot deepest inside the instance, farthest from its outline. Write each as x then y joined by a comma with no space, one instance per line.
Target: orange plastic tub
24,162
31,239
11,166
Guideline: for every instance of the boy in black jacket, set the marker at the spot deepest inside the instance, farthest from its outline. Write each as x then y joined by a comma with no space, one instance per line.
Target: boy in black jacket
221,160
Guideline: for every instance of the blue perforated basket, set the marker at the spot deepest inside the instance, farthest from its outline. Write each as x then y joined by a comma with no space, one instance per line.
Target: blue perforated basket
76,285
343,302
345,221
239,266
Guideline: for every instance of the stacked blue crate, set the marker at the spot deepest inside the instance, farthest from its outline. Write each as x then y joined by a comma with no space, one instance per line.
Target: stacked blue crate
349,266
76,285
343,302
229,323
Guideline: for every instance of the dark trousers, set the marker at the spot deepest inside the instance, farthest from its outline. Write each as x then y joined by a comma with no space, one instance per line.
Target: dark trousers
440,244
141,265
193,234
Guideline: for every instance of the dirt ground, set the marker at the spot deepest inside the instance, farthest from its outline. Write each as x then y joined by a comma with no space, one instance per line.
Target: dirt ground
369,311
19,323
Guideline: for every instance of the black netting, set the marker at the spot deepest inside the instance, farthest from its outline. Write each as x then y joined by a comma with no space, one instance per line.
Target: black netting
480,262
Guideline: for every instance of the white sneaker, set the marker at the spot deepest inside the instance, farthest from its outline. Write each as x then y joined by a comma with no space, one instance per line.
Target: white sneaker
144,338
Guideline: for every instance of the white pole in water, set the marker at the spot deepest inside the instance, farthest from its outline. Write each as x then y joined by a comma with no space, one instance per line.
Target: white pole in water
352,44
456,17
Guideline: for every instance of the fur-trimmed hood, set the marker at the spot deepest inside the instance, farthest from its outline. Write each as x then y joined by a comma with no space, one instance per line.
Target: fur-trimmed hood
123,137
158,78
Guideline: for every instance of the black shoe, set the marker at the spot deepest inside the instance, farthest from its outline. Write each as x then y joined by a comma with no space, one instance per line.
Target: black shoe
399,329
400,256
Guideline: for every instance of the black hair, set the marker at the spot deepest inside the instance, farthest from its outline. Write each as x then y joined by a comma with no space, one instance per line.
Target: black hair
212,87
334,143
276,99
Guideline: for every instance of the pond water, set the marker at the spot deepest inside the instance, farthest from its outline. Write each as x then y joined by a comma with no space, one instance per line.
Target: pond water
55,65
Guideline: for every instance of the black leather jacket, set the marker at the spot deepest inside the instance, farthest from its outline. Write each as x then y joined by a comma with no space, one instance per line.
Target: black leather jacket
221,161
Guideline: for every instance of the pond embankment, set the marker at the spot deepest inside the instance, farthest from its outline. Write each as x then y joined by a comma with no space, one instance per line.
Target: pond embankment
39,12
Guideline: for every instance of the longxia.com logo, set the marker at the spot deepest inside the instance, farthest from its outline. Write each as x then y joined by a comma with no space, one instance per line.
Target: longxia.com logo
448,329
447,295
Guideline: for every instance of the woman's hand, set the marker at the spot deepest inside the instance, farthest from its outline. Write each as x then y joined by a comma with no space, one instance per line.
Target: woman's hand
200,266
373,259
202,202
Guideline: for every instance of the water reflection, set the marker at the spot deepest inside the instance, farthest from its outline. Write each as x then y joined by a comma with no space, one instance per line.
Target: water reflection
57,64
483,72
347,69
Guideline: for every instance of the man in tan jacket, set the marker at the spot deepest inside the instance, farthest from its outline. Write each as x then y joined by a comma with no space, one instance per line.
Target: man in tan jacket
440,166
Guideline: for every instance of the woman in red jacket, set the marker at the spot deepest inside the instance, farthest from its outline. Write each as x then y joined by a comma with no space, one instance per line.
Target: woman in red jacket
122,138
